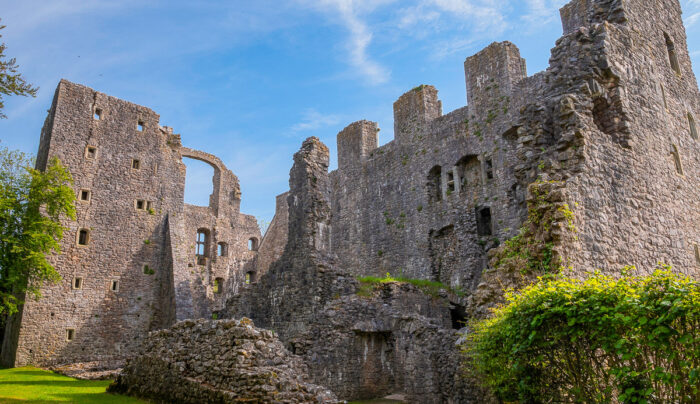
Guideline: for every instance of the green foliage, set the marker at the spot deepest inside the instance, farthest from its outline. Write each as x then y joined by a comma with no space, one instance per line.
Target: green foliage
32,385
32,204
628,340
147,241
148,270
11,81
370,283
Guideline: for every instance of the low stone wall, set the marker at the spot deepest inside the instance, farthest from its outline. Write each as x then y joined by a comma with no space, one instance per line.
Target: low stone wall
225,361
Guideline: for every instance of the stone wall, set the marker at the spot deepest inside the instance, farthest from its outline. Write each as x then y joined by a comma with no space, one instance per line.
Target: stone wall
134,270
208,361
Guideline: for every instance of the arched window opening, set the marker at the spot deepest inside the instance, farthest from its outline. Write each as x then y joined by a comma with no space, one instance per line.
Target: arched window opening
672,57
253,244
693,127
222,250
202,243
218,285
250,277
435,184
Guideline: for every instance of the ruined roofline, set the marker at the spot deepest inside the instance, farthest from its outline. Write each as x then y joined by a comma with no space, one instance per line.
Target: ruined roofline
111,98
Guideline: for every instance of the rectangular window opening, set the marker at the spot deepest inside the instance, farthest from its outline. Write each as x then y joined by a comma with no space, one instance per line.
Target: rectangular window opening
83,237
489,169
218,283
84,195
70,334
450,182
139,126
135,164
90,152
697,254
149,205
484,227
98,114
77,283
114,286
140,204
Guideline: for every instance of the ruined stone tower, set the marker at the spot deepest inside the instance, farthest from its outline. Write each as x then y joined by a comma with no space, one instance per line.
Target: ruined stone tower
137,258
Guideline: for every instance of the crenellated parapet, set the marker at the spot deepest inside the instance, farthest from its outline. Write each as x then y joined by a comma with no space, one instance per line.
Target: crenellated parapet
492,75
414,111
356,142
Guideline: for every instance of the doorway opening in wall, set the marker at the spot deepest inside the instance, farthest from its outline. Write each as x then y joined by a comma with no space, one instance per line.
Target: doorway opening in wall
199,181
218,285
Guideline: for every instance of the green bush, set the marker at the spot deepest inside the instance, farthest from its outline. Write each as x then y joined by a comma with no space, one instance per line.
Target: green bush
629,340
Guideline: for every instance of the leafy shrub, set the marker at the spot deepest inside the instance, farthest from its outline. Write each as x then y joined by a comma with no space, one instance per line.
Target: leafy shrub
629,340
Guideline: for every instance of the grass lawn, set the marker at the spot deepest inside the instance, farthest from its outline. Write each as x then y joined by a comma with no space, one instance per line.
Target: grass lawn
32,385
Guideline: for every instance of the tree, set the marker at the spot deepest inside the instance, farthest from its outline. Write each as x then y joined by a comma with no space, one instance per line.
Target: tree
11,81
32,204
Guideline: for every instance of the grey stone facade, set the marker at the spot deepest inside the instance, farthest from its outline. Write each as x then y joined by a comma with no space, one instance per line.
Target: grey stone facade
136,269
591,164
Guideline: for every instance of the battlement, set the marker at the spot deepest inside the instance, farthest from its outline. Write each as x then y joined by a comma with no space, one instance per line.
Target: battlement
356,142
414,110
491,74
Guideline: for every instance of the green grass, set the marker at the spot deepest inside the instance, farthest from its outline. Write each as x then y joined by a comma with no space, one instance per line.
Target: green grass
32,385
432,288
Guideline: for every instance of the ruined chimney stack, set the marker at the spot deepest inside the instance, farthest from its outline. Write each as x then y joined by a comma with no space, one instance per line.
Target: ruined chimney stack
356,142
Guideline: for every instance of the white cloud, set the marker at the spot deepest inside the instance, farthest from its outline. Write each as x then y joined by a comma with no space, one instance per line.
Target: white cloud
350,14
692,20
481,14
313,120
541,12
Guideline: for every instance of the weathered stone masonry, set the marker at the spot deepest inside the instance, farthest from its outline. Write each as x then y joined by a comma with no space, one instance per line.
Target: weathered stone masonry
134,268
593,162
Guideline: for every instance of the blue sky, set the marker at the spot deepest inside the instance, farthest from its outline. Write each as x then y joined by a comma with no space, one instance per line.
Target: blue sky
248,81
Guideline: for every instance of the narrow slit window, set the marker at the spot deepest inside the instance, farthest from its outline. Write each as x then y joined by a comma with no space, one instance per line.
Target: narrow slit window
253,244
85,195
450,182
488,168
70,334
693,127
677,159
218,285
90,152
672,56
114,286
663,94
98,114
139,126
83,237
77,283
149,205
136,164
222,250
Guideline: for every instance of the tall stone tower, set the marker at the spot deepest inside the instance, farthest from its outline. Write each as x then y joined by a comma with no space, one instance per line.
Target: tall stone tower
137,257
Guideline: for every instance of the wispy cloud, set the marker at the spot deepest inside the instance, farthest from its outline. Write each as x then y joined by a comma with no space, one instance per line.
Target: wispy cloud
541,11
350,14
481,14
313,120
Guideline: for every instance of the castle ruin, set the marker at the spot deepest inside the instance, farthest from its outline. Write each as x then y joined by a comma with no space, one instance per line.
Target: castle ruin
591,164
